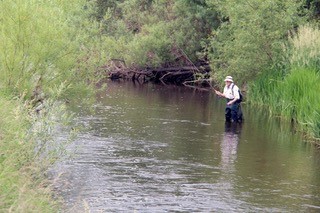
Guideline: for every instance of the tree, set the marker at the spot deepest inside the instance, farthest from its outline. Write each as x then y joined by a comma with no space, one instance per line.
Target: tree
314,7
250,38
156,33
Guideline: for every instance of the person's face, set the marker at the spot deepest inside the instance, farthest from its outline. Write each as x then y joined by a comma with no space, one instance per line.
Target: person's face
228,83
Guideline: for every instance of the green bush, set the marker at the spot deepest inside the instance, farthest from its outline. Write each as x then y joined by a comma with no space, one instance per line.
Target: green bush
154,33
250,38
20,189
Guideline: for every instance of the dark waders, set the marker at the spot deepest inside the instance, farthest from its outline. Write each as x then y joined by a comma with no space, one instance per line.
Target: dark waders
233,112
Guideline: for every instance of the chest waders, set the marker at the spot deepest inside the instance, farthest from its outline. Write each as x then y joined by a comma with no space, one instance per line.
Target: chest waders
233,113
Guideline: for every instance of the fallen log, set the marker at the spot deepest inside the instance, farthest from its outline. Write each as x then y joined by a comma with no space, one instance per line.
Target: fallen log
205,68
165,75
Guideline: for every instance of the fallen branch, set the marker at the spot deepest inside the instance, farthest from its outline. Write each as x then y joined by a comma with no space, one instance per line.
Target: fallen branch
166,75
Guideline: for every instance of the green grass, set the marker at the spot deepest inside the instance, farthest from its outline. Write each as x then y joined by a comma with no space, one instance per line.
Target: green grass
48,51
292,97
292,93
21,184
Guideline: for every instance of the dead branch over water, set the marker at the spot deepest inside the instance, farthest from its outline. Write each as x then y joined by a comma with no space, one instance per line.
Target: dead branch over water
195,76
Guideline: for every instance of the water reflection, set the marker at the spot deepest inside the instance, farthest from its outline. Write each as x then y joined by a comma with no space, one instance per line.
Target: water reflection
229,145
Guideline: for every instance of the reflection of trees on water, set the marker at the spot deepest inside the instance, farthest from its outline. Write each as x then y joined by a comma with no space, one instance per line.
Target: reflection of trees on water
229,146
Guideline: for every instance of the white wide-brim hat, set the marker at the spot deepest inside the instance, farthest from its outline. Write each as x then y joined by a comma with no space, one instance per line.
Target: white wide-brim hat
228,78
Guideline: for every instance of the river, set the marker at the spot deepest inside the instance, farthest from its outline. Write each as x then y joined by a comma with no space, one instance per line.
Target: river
150,148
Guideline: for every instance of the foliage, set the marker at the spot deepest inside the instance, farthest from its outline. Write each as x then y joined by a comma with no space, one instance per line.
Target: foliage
18,189
250,37
40,44
294,94
153,33
28,146
103,6
304,48
48,50
314,9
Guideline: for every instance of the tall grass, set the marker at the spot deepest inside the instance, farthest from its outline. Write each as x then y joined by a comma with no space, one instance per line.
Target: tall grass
40,43
47,51
294,95
19,190
304,48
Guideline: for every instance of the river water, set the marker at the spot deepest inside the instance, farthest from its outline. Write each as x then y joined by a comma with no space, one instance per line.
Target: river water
150,148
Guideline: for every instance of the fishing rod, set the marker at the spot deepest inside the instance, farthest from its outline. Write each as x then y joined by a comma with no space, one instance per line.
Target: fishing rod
216,91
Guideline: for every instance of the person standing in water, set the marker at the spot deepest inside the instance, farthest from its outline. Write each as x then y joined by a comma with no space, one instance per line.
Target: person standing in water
232,93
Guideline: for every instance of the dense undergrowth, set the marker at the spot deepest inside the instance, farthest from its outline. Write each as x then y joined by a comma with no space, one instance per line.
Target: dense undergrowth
293,91
18,191
155,33
27,149
52,51
47,53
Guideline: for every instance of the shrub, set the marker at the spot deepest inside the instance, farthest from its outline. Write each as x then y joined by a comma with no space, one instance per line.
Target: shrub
40,43
250,39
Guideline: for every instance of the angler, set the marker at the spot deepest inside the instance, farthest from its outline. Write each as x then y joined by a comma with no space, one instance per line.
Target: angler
234,97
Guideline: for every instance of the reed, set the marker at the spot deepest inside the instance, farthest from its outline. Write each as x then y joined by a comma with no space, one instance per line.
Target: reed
303,88
294,97
293,94
263,91
304,48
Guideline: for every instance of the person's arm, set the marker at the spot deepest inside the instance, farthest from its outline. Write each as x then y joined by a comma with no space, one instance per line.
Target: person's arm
232,101
219,93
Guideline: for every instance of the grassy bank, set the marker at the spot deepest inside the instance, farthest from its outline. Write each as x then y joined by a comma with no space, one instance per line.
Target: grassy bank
22,187
28,147
293,91
46,58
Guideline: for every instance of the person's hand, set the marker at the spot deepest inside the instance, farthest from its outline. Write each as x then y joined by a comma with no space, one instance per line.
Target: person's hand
230,103
218,93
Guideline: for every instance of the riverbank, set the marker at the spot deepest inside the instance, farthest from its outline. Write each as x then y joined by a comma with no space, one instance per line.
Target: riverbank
46,59
29,146
291,98
22,183
291,91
